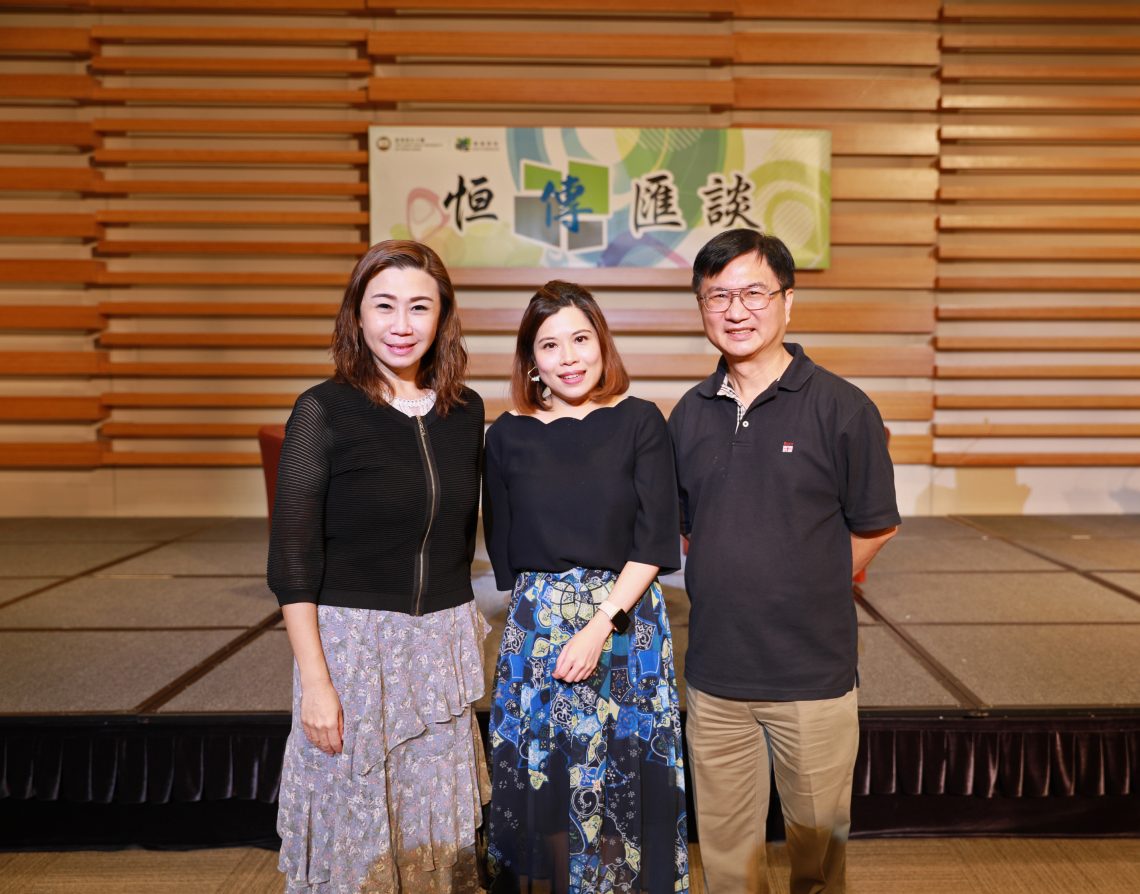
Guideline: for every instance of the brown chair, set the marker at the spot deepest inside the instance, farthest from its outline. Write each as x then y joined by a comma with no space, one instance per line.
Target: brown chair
270,439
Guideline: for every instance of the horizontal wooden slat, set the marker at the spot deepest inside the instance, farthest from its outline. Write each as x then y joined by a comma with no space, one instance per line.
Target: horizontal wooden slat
1026,102
1087,190
72,41
1039,283
990,401
234,278
61,225
228,188
179,429
260,158
871,93
874,138
548,92
910,406
258,66
1037,460
884,184
1034,343
43,408
197,400
237,247
1022,430
204,125
50,317
1059,12
1038,312
911,449
50,455
234,218
47,86
259,36
1027,221
1048,41
1054,162
863,47
886,228
149,369
13,179
51,363
77,134
260,309
1041,251
974,69
232,6
440,43
884,10
248,340
42,270
176,459
666,7
229,96
1039,371
1098,131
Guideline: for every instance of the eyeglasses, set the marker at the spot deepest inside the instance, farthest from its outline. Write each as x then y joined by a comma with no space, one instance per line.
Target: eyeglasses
752,297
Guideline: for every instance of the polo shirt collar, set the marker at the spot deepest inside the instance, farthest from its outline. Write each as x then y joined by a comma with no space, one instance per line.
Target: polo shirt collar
793,379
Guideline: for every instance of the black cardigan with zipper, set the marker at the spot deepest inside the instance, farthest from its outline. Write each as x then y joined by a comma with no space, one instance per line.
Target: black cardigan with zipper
375,509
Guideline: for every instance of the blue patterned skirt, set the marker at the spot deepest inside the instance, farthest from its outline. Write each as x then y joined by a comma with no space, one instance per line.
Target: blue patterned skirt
588,787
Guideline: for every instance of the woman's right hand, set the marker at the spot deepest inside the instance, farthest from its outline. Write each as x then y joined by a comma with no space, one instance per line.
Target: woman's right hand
322,717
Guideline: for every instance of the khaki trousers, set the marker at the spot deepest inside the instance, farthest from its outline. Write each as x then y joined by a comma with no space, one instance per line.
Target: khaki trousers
811,746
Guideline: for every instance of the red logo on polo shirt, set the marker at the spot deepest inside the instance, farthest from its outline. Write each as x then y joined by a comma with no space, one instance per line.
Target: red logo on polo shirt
789,446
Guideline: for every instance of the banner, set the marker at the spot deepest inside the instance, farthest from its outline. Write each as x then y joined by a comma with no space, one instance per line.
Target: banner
597,197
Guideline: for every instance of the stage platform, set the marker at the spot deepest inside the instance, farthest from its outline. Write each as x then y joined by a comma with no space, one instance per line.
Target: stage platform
143,663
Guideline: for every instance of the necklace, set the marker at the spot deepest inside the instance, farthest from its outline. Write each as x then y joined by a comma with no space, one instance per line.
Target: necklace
414,406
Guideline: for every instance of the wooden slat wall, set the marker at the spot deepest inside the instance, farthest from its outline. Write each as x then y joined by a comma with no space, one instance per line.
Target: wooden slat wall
183,188
1038,339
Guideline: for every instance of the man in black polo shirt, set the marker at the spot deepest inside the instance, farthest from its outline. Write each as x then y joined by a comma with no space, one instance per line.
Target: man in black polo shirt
787,490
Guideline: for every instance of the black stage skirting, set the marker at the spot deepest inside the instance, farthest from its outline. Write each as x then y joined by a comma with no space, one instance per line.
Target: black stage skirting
212,780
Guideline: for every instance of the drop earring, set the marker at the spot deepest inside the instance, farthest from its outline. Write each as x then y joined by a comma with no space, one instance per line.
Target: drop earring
533,374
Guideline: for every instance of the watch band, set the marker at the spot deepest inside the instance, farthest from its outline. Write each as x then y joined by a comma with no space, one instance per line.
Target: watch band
617,616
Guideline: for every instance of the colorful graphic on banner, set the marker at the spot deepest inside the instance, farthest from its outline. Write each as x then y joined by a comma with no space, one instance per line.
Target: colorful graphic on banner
597,197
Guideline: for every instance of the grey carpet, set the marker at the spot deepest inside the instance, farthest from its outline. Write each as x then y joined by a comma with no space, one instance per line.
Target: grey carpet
1103,554
890,676
94,530
224,558
1063,526
955,554
259,677
60,559
95,672
11,587
255,529
1032,665
1129,580
145,602
943,597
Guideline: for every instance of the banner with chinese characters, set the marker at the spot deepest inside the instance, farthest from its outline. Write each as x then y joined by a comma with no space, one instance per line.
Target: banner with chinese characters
597,197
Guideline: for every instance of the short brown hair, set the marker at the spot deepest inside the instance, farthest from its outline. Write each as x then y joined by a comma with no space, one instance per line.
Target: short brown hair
443,367
547,301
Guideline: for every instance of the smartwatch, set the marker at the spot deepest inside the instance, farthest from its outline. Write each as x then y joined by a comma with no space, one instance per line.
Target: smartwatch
617,616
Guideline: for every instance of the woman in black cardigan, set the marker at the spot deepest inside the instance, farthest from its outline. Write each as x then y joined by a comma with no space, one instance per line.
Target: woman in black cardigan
370,557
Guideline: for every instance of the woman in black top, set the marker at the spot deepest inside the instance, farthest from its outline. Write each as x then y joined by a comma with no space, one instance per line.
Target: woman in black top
370,557
580,513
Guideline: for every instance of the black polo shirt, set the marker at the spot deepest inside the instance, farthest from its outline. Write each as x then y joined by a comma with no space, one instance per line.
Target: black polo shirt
769,508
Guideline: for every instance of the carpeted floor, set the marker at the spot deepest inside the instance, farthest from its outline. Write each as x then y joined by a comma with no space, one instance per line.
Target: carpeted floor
172,616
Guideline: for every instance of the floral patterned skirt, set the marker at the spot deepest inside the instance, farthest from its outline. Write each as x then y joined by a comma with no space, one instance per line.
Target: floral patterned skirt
588,786
397,810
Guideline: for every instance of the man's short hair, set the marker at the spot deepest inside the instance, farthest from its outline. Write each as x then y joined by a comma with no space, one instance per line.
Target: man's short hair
726,247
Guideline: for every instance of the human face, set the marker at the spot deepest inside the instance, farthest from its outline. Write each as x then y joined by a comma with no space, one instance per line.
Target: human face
399,315
568,355
738,333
